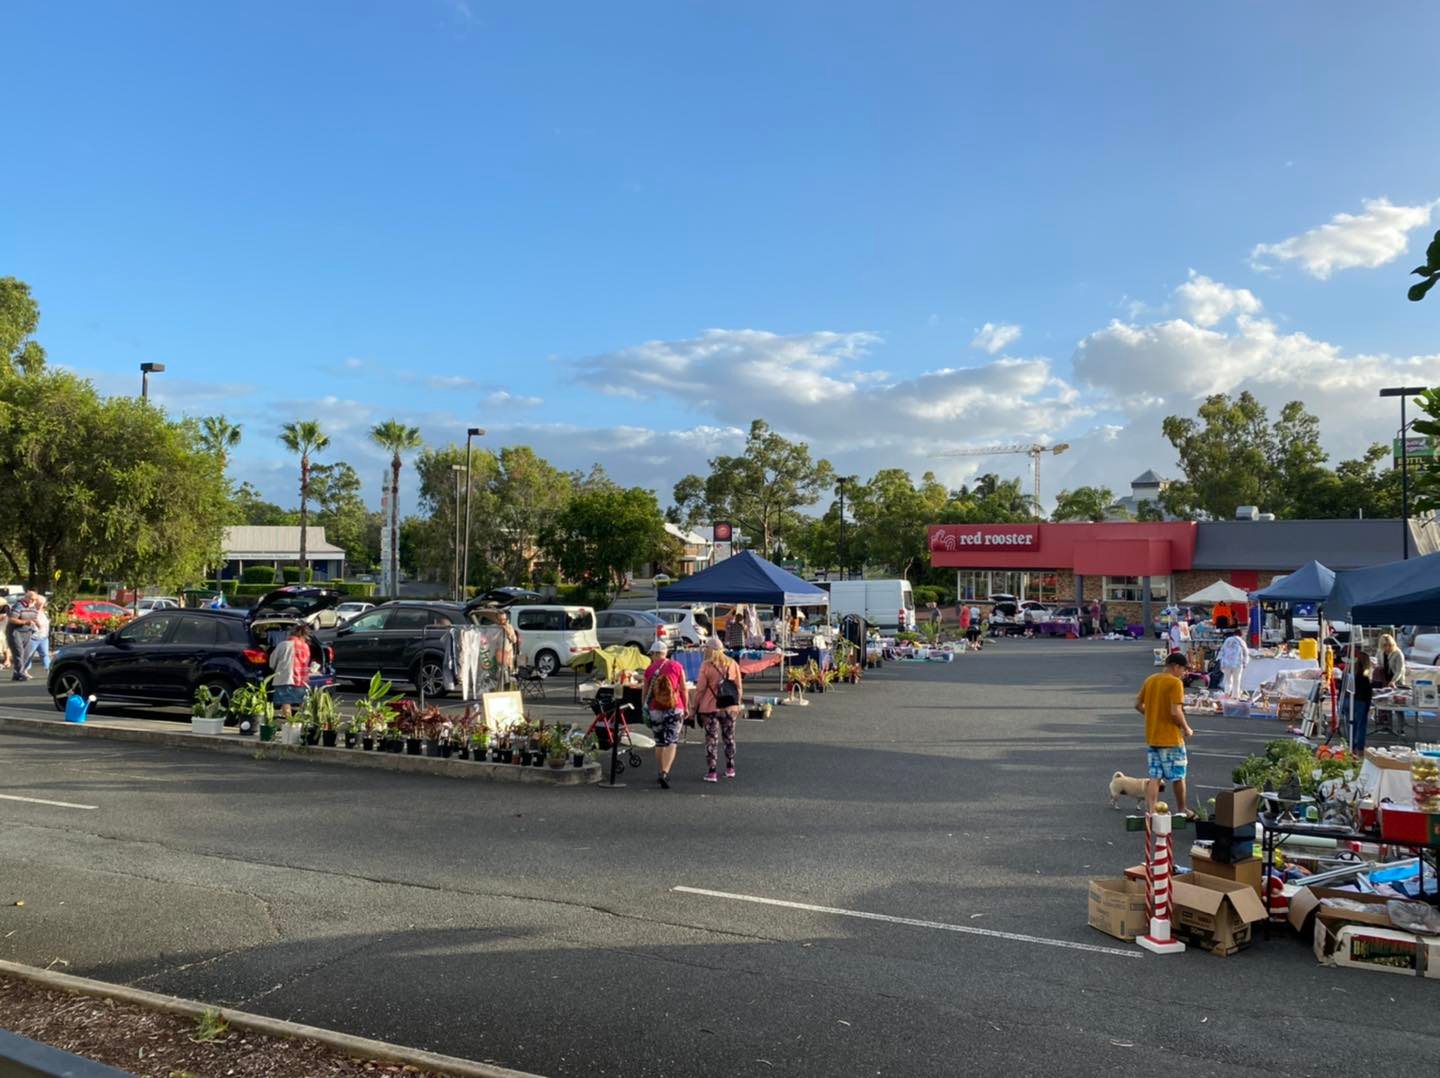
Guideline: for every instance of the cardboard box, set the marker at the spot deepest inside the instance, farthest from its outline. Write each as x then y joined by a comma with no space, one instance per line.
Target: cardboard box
1216,913
1117,908
1237,808
1381,950
1246,872
1310,900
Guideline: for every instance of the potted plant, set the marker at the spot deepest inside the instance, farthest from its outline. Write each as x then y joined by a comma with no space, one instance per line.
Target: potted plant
351,730
407,724
374,712
322,716
250,705
207,715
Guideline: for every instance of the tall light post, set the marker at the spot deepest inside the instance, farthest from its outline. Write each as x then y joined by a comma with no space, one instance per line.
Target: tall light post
1404,393
473,432
146,370
841,484
458,469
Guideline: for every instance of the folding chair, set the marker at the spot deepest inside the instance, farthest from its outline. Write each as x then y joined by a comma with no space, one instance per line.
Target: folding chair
532,683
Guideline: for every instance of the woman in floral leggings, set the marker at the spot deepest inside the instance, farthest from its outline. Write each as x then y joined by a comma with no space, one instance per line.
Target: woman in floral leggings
712,696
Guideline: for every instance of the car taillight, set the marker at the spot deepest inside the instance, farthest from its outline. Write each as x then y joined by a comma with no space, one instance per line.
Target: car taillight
254,655
329,654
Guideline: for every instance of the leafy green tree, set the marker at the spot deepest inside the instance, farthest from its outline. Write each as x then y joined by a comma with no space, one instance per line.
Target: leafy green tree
341,510
1232,455
1150,511
1426,479
247,506
219,437
529,493
1430,271
19,315
605,531
396,439
1083,503
435,540
761,491
891,517
1360,486
304,438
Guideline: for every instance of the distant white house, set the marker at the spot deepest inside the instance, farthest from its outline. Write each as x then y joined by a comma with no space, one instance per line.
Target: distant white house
697,549
279,546
1145,487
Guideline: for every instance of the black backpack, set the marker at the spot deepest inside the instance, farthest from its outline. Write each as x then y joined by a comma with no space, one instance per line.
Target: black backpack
727,693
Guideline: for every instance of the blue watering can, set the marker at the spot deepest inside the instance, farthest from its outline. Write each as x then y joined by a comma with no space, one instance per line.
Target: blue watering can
77,707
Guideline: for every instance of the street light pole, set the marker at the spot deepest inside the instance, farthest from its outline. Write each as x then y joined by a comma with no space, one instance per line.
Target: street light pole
473,432
1404,393
841,484
146,370
455,566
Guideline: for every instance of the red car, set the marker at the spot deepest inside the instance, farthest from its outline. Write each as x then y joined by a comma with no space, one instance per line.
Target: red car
94,614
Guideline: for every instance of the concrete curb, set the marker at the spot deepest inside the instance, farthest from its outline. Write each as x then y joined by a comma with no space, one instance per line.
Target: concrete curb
256,749
342,1042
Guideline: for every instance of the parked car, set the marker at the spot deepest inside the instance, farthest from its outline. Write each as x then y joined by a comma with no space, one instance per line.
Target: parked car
684,625
404,640
93,614
164,656
1424,644
629,628
156,602
509,596
551,636
352,609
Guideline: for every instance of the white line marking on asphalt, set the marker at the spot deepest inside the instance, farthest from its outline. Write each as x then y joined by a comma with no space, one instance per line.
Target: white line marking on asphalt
1222,755
969,930
42,801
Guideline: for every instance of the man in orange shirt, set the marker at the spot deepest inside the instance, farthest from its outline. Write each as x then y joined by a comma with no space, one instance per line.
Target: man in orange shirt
1161,700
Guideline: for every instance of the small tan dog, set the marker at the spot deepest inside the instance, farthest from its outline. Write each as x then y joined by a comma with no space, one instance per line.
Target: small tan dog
1122,785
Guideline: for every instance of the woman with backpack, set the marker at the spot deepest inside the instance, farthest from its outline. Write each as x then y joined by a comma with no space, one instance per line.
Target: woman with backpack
718,692
665,706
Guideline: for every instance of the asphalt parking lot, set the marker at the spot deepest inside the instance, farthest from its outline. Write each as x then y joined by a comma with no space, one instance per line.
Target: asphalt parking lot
894,884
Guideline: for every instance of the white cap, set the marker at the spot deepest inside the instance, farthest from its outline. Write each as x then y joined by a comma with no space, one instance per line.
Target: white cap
659,648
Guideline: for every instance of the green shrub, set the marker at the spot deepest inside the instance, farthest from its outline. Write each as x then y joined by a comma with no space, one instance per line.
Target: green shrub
294,575
258,574
357,589
252,591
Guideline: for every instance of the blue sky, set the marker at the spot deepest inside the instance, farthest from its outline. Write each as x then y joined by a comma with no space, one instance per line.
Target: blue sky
617,232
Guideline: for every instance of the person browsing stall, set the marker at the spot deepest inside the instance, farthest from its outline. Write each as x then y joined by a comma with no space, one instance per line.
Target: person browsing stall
1162,701
291,662
665,706
718,692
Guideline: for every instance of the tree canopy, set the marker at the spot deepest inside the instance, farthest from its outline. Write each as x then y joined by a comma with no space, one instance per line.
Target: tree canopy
761,491
1083,503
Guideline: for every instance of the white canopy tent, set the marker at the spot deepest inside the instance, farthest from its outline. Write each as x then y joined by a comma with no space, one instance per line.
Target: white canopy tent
1218,592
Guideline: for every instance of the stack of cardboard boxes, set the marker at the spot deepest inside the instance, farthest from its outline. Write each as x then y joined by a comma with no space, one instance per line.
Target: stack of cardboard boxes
1218,901
1225,846
1356,931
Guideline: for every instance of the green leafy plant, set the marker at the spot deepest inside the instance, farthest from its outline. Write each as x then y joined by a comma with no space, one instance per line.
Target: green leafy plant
210,1027
207,705
253,701
375,711
321,710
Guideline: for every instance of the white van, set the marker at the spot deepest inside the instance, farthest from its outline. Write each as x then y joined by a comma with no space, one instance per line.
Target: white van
551,636
879,602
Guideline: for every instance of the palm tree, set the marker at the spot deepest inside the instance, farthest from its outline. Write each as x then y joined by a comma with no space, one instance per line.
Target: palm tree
304,436
218,436
397,438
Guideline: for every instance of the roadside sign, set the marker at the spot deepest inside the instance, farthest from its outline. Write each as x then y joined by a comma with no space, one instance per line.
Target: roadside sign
1418,447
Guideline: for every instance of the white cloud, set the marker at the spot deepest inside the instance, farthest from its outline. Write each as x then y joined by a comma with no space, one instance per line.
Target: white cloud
351,363
1372,238
1208,302
993,337
503,398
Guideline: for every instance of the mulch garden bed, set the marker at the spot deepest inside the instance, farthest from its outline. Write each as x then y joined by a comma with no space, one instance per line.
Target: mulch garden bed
154,1044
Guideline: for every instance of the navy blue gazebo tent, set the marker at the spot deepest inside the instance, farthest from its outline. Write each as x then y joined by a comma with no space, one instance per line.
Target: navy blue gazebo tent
1311,583
1397,593
746,578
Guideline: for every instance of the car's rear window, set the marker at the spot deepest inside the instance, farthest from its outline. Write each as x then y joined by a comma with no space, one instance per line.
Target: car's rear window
580,621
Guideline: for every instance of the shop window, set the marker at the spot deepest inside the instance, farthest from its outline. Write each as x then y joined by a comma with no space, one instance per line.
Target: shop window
1131,589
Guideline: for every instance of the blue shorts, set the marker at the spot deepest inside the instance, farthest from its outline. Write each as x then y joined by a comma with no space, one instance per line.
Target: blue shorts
1168,763
294,695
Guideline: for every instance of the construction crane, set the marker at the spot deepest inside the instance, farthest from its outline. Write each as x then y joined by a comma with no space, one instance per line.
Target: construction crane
1033,451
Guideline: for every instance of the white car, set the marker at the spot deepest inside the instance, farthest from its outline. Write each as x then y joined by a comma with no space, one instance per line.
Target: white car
1425,650
552,636
156,602
352,609
683,625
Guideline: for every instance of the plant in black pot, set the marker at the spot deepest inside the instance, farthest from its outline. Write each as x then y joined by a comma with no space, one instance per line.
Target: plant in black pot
434,728
375,712
407,722
252,711
462,730
322,718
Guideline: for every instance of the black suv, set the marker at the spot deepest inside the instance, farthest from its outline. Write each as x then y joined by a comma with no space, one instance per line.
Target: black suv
164,656
404,640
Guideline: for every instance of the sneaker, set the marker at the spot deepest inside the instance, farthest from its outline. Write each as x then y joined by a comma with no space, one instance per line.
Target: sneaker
664,780
710,777
729,772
